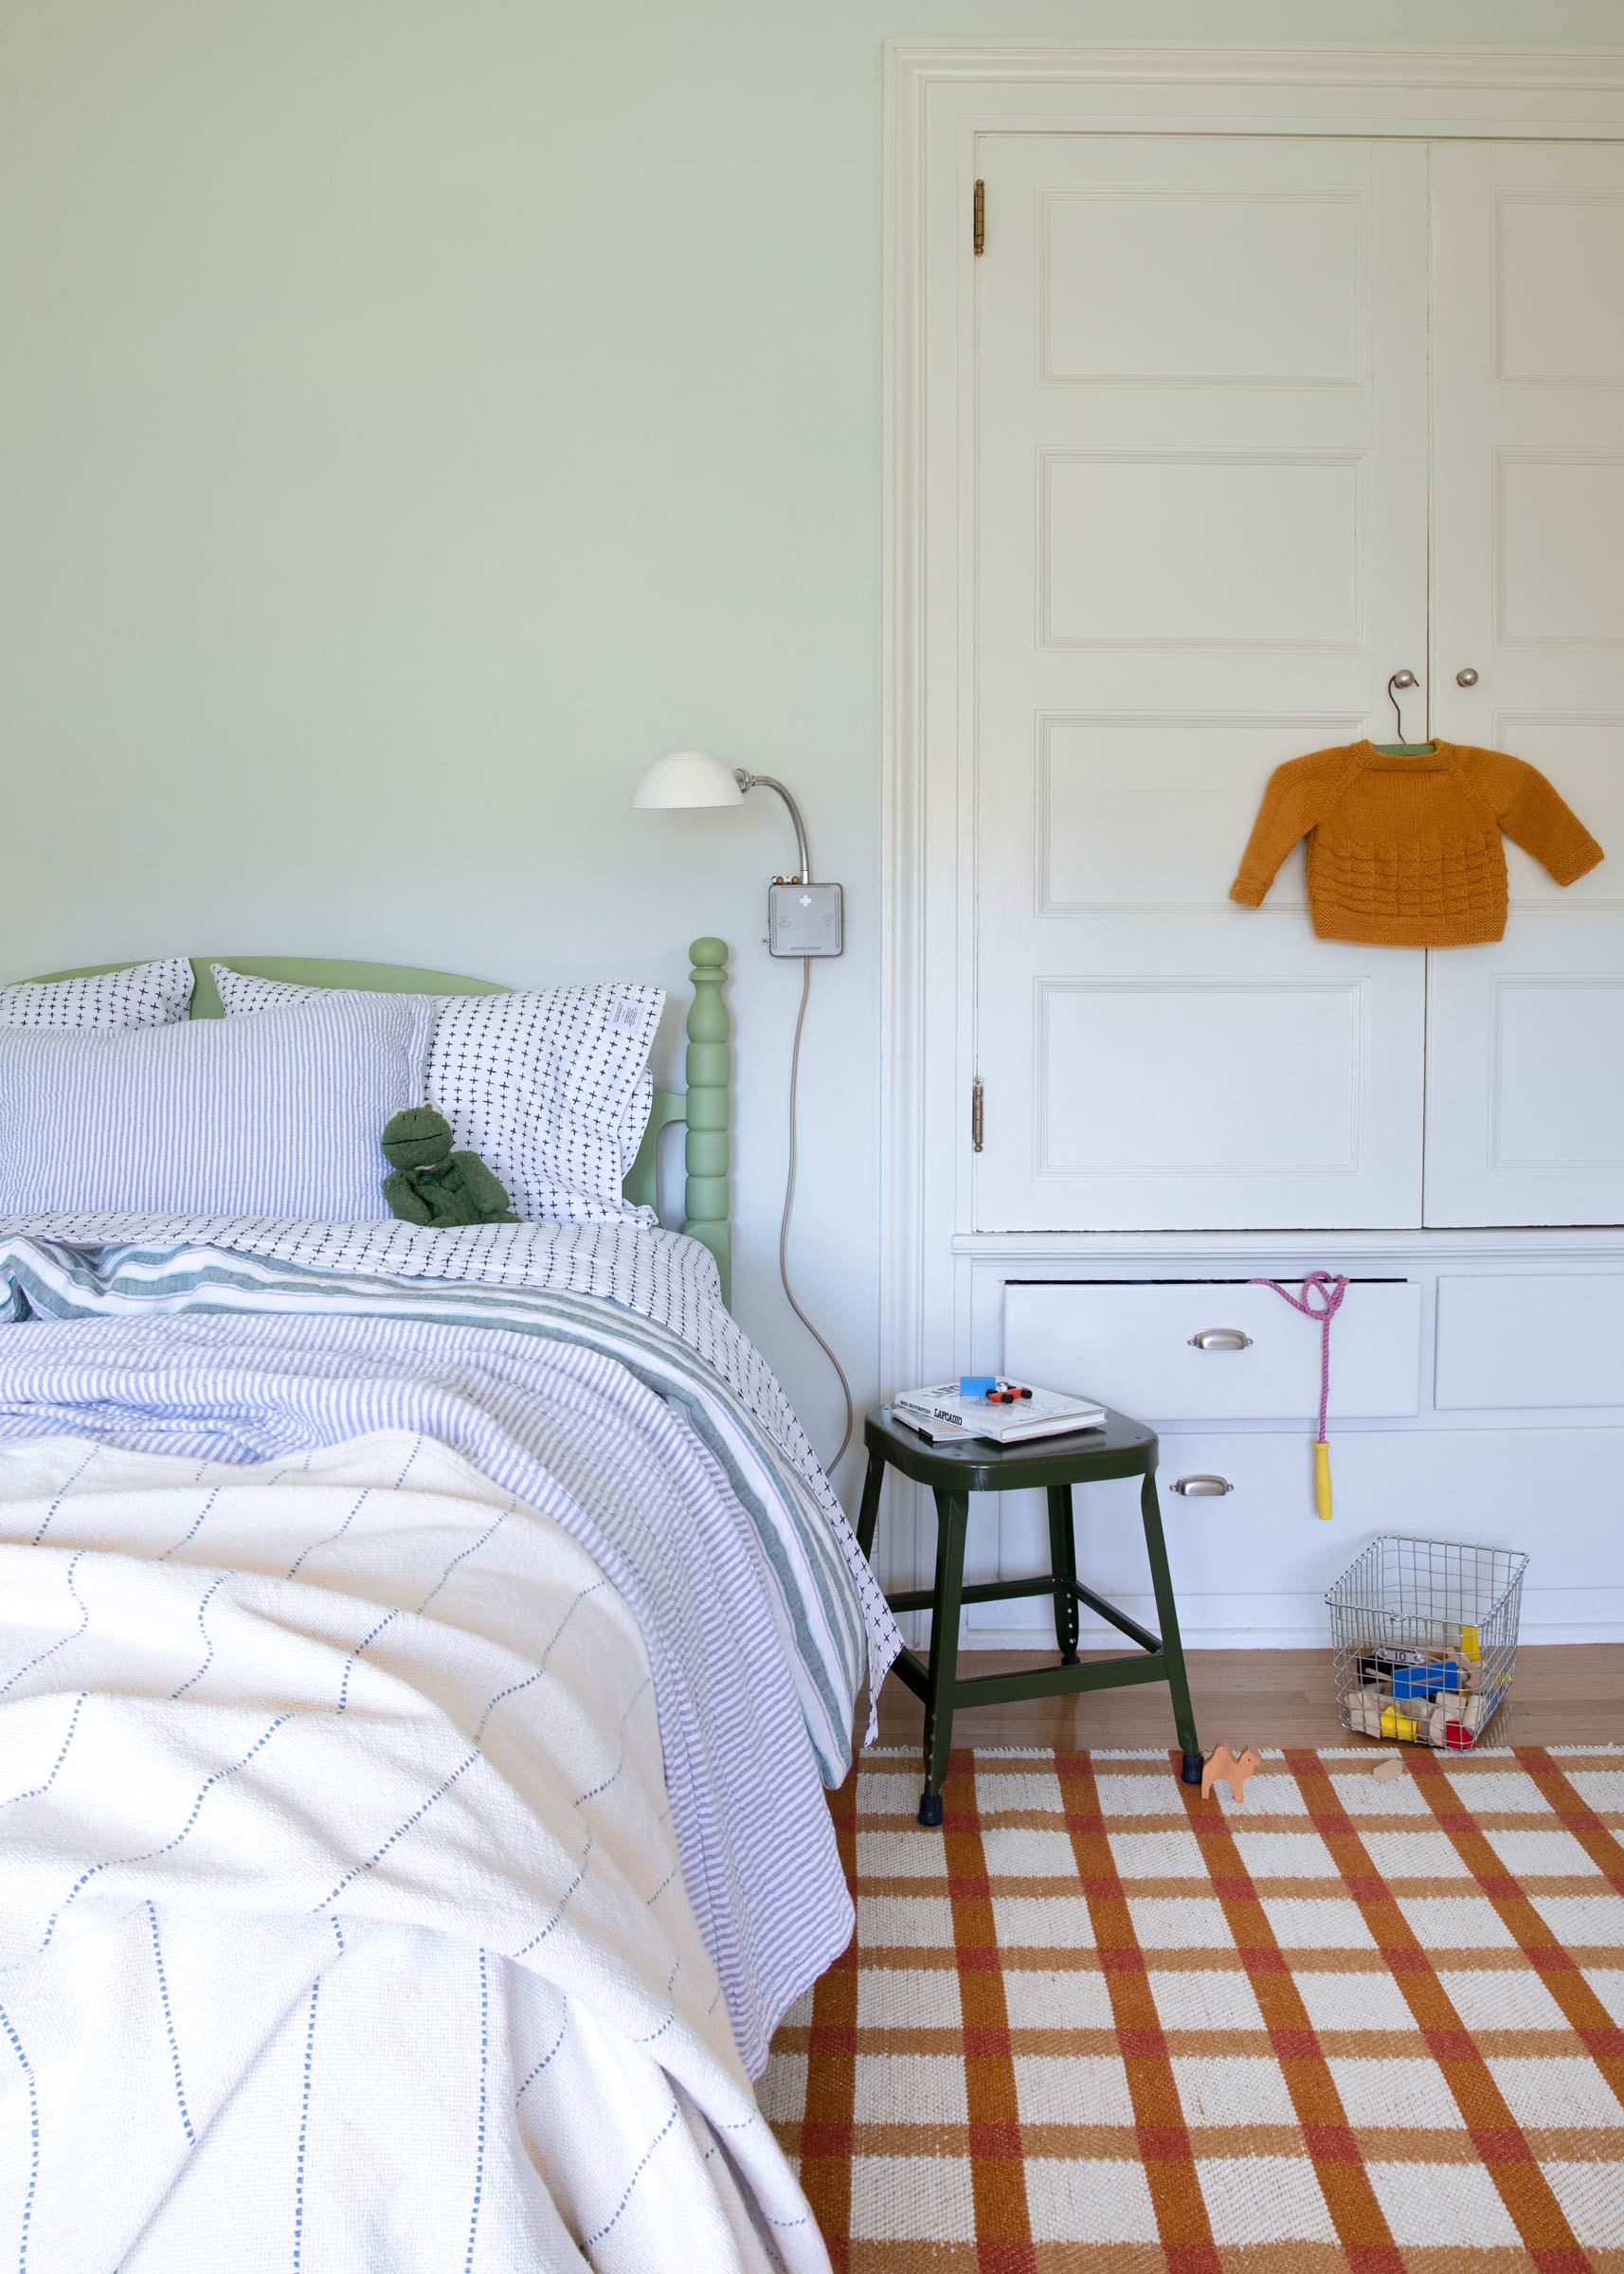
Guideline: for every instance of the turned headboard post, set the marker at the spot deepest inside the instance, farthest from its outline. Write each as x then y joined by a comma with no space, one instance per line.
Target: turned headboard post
709,1102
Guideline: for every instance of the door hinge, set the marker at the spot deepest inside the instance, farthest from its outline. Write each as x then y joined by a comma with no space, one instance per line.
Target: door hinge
976,1115
980,218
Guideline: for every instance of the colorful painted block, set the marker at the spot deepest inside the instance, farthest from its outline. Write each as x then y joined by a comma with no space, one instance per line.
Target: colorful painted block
1426,1681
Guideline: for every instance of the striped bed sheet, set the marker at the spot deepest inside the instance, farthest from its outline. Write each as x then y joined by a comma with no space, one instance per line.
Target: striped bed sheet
660,1275
668,1279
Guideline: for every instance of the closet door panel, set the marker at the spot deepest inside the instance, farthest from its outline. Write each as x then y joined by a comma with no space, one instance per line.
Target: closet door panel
1202,549
1525,1037
1525,1077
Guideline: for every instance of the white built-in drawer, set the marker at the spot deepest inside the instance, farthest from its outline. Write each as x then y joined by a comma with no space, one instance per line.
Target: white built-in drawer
1263,1538
1249,1562
1530,1339
1253,1564
1259,1556
1133,1344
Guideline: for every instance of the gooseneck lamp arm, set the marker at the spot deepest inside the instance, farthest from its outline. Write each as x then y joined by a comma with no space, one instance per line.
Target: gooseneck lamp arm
749,781
685,778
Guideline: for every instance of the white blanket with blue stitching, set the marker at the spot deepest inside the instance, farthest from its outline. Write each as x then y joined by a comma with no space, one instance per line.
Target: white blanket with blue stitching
185,1392
341,1924
759,1614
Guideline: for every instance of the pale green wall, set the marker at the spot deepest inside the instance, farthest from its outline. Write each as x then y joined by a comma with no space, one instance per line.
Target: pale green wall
413,418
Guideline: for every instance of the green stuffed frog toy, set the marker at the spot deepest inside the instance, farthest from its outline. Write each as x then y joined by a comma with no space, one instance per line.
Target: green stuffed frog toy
428,1184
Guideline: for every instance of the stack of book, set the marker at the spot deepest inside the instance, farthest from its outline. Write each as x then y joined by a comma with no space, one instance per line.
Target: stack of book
945,1414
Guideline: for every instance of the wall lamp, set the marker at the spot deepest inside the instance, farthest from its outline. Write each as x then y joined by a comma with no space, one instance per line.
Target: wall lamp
803,918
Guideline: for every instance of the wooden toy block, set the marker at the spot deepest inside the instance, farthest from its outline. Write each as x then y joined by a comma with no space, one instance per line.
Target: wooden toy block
1419,1682
1400,1725
1387,1772
1364,1711
1224,1767
1469,1713
1378,1665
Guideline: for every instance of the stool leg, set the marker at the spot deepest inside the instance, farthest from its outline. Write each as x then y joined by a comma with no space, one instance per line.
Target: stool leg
867,1515
1063,1563
1168,1620
952,1520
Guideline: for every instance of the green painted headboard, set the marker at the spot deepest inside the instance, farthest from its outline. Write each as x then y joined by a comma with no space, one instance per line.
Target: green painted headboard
704,1105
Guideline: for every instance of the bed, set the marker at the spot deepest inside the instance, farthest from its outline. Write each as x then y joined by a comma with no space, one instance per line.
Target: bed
422,1653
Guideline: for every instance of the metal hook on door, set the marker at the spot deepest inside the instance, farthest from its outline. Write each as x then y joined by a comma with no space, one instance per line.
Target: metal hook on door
1400,679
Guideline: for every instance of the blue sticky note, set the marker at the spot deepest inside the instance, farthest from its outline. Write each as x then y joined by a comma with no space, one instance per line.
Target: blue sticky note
976,1385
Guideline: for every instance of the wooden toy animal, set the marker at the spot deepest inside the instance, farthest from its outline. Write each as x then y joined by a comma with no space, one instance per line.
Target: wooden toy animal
1222,1766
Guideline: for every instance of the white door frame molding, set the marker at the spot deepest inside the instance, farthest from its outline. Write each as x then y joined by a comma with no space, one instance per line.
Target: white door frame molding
939,100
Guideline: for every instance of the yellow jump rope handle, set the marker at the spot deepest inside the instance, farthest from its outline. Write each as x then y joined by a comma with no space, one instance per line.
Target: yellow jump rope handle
1322,1478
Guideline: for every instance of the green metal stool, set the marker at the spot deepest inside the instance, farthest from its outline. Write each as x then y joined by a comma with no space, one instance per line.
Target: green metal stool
1122,1448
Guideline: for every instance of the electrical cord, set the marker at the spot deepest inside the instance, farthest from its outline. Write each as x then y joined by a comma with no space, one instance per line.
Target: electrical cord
784,1223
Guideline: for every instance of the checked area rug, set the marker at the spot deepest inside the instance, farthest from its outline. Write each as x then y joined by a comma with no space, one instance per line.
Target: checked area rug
1096,2024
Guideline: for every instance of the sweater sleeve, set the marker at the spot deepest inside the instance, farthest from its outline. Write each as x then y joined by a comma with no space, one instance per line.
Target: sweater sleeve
1534,816
1293,801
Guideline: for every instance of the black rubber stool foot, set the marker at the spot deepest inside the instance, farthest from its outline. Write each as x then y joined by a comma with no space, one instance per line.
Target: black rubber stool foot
930,1808
1192,1768
1069,1658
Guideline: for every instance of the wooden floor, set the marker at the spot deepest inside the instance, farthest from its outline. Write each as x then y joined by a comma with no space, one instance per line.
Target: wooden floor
1564,1693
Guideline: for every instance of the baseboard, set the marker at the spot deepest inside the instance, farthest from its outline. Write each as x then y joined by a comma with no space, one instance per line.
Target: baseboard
1282,1622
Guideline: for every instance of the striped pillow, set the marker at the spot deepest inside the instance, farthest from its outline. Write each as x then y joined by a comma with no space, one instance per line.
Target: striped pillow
276,1116
550,1086
145,995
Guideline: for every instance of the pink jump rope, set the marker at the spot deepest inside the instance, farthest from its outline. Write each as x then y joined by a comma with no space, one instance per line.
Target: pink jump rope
1331,1290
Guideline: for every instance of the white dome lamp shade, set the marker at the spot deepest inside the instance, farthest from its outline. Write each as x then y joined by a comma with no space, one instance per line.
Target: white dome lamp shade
688,778
692,778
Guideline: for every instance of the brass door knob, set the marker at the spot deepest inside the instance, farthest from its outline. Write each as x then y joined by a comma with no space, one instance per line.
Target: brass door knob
1467,678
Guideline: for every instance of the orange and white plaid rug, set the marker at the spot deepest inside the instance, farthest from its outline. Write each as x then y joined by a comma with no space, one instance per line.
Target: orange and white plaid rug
1096,2024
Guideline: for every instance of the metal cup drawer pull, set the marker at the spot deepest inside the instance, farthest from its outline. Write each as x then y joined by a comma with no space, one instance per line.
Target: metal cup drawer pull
1220,1338
1202,1487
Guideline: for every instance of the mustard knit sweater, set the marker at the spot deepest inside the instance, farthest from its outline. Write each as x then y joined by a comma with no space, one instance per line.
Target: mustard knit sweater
1404,851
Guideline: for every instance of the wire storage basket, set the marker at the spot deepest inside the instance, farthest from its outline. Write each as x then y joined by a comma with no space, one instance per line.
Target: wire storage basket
1424,1640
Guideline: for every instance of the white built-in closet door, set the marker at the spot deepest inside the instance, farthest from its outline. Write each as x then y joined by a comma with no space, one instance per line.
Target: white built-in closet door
1201,549
1525,1039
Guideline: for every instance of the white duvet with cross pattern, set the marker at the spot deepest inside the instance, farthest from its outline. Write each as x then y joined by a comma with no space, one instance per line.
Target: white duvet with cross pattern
341,1923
